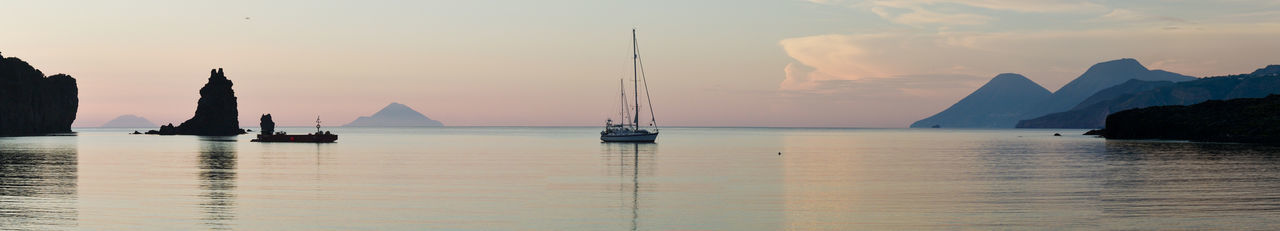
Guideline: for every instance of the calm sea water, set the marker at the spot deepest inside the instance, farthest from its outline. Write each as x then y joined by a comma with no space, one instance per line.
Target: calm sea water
693,178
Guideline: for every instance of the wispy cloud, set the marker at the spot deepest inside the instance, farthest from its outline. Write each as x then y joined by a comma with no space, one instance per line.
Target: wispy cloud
959,12
886,55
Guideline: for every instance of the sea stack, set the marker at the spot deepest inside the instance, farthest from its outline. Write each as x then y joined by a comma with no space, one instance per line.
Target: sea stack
267,126
216,113
33,104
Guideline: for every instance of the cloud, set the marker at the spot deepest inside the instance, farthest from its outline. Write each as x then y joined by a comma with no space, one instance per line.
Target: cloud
958,12
1126,15
919,16
877,102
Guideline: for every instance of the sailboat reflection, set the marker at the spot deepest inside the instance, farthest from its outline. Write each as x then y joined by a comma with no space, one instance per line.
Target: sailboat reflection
626,158
218,182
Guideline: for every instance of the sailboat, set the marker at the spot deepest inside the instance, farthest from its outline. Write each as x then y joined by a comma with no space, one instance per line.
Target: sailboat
632,132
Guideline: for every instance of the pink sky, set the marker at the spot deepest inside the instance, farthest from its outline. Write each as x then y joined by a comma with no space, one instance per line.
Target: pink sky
826,63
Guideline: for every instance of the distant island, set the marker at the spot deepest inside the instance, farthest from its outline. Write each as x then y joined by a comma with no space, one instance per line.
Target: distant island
999,103
216,112
128,121
1247,120
395,115
32,103
1009,98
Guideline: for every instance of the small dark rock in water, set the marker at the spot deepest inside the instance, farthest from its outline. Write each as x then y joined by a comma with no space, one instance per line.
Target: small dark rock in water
32,103
1057,134
168,129
135,132
1094,132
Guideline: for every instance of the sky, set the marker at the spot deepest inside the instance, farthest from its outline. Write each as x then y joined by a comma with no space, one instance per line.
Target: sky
779,63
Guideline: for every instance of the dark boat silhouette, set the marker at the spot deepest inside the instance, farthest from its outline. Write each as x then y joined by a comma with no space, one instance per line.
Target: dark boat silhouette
269,134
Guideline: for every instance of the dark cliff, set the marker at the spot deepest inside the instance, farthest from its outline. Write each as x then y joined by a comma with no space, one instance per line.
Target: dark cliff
32,104
1247,120
216,113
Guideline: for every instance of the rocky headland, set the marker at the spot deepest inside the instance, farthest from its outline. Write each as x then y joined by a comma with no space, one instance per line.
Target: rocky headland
32,103
1245,120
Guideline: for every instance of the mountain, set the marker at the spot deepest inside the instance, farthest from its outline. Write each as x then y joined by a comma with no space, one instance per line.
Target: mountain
216,112
395,115
1087,116
1099,76
32,103
1268,70
1248,120
128,121
1182,93
996,104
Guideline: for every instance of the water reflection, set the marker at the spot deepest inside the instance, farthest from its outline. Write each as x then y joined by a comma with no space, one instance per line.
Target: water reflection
1182,184
217,164
38,183
624,160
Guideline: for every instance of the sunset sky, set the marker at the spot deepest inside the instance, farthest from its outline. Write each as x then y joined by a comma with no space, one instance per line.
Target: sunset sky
817,63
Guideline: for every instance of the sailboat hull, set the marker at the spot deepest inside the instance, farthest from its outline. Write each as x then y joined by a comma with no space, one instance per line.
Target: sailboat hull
632,138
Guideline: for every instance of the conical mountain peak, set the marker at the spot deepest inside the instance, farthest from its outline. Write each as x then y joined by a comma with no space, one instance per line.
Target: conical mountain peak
395,115
995,104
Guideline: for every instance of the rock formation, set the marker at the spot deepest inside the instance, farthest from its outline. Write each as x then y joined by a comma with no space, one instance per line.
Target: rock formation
395,115
128,121
266,125
216,113
33,104
1248,120
996,104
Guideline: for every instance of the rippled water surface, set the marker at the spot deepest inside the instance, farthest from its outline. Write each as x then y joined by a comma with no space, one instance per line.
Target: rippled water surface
693,178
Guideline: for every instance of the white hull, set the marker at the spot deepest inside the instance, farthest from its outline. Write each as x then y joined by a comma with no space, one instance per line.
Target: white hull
642,138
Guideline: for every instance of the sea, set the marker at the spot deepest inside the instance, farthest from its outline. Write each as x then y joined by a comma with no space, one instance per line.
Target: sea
564,178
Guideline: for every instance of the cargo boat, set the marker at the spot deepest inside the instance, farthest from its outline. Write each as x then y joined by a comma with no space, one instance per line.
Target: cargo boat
268,134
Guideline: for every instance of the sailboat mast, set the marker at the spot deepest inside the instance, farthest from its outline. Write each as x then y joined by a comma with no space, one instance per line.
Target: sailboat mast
635,75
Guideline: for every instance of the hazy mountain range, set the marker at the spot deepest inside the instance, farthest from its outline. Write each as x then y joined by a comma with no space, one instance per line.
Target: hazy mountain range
1003,102
1138,94
1011,100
